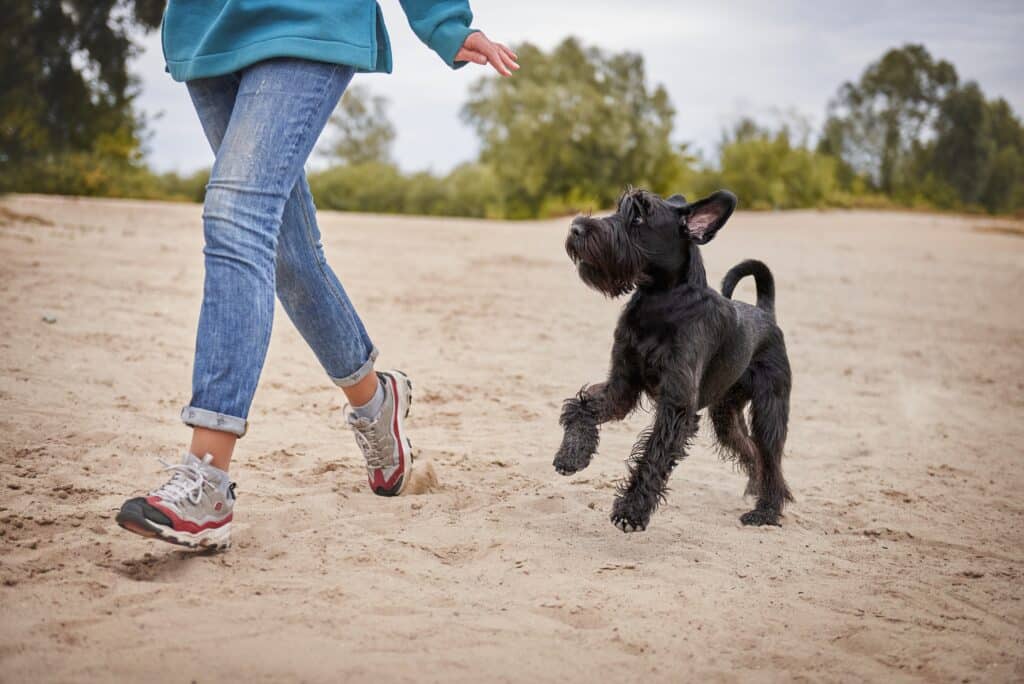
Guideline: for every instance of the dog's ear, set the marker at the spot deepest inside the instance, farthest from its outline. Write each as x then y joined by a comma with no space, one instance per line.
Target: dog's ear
676,202
704,218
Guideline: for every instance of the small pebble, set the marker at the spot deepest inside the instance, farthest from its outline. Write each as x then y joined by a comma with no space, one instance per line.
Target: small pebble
48,318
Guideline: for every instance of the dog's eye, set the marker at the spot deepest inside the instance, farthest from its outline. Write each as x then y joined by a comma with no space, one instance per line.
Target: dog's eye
638,220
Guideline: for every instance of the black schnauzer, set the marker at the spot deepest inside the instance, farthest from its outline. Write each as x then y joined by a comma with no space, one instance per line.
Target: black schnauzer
686,346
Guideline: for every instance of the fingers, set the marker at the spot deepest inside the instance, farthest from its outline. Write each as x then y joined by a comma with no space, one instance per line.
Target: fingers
494,57
479,49
508,57
467,55
508,51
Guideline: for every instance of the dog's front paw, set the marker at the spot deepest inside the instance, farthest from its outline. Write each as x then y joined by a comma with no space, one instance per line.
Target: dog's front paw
567,465
568,461
630,515
761,516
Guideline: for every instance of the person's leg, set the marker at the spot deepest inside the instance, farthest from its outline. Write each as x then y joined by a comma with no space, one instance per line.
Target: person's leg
279,110
317,304
214,100
194,508
262,125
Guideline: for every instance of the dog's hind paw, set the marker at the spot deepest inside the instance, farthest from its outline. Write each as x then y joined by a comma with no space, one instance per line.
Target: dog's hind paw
761,516
628,518
627,525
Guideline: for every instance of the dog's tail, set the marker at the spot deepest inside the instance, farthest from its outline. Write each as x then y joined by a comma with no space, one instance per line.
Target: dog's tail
763,278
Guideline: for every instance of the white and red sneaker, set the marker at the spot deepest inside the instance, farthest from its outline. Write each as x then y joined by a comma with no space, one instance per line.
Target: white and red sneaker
194,508
383,441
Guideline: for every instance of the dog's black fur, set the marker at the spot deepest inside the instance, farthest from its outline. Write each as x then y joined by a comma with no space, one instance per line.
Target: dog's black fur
684,345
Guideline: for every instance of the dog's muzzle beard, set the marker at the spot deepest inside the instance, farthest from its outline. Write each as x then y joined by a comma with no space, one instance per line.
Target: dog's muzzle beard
606,259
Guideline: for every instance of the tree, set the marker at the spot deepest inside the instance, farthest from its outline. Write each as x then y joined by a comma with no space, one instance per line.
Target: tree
1004,190
67,91
573,130
962,151
768,170
874,123
361,128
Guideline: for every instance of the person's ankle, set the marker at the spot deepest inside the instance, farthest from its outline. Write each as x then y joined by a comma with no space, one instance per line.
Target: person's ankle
371,409
220,475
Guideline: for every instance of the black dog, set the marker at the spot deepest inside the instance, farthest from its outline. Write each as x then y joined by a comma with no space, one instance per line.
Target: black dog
686,346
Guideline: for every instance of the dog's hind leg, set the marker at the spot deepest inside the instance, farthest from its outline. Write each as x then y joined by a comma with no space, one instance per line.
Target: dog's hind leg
769,412
735,444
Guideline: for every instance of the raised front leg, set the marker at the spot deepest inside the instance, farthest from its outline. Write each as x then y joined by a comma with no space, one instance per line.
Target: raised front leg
654,456
592,406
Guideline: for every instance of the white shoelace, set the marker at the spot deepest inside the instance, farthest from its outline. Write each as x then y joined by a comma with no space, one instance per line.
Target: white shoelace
187,481
373,448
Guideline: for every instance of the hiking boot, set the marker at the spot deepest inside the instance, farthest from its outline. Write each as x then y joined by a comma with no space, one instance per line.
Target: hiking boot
193,508
387,450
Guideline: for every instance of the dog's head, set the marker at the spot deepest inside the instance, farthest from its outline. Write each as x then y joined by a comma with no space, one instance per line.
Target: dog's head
648,240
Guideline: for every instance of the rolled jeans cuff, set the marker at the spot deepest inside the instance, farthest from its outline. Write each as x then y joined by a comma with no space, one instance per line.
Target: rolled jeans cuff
363,371
211,420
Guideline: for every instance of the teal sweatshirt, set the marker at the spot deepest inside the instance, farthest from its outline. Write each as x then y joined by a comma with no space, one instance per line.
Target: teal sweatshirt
203,38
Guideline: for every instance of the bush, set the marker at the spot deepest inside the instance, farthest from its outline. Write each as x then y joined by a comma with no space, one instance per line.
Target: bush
473,190
369,187
191,188
469,190
766,171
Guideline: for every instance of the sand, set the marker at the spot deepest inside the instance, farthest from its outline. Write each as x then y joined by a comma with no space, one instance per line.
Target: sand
901,559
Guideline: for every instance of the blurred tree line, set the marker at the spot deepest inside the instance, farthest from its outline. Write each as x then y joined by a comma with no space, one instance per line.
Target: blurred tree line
567,133
576,126
67,121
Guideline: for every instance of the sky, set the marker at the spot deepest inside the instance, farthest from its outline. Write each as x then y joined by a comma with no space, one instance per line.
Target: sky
719,60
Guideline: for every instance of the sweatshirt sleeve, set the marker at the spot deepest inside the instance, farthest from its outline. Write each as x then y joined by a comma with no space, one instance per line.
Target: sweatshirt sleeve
442,25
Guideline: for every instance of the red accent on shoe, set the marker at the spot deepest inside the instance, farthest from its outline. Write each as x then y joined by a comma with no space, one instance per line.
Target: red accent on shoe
186,525
377,479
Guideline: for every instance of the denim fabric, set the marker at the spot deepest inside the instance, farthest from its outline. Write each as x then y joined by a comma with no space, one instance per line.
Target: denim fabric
261,235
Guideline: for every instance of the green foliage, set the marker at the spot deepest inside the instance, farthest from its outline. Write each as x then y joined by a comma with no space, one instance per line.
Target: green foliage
1004,191
910,130
469,190
66,118
361,129
576,125
977,155
474,189
172,186
368,186
874,123
367,180
573,128
768,171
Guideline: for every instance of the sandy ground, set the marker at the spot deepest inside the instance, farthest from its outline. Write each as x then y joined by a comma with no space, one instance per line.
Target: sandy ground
900,560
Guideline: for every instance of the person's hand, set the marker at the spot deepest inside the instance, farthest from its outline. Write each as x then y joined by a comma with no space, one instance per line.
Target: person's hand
479,49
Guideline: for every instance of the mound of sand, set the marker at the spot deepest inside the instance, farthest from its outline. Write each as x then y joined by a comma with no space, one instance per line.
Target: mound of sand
901,558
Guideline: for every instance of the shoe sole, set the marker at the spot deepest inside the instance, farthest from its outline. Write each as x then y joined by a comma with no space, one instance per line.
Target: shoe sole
397,490
217,538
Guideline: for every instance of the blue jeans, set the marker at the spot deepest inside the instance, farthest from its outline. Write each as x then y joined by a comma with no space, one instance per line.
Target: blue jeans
261,235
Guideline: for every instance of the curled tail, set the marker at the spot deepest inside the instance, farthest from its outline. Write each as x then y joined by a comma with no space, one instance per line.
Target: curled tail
763,278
